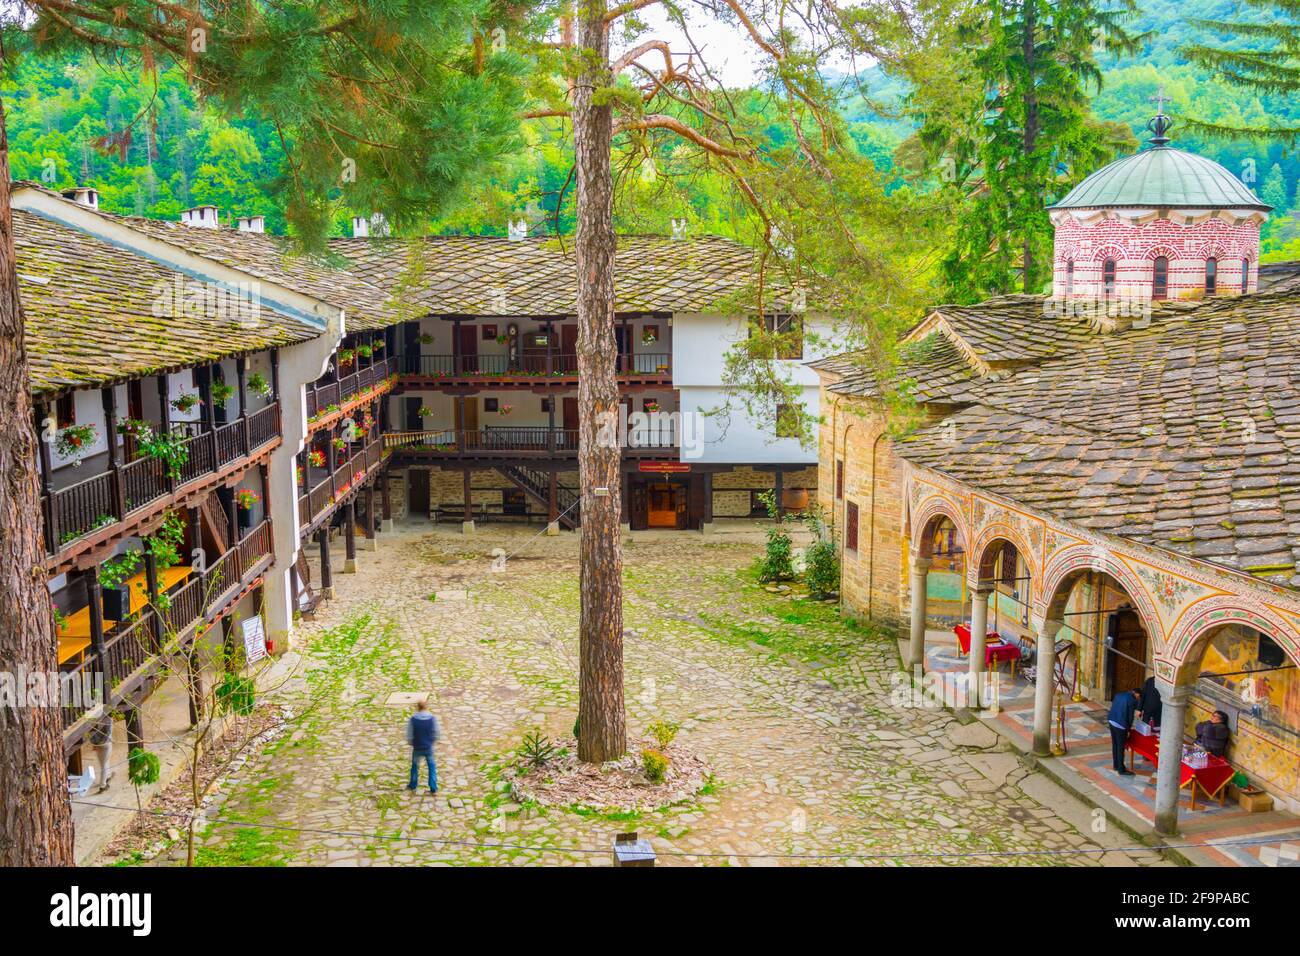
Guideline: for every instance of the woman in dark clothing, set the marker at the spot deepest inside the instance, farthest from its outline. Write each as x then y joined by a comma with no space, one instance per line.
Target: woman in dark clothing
1212,734
1149,703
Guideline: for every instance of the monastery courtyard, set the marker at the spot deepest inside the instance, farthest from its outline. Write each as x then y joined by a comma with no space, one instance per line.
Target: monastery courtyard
791,708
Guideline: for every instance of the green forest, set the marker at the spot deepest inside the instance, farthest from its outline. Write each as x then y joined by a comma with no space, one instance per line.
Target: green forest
152,150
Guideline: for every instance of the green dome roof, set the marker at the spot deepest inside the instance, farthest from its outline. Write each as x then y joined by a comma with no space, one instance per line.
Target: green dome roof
1165,178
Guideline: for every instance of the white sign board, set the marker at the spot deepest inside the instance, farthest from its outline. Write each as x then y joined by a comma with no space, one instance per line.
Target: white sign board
254,640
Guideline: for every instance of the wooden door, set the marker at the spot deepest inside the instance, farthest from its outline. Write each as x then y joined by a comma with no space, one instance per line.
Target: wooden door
567,360
468,348
570,439
638,507
1129,653
681,504
417,491
469,420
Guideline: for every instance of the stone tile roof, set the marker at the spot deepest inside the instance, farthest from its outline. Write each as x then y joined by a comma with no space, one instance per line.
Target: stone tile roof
269,257
92,312
932,369
1012,330
1278,275
1184,435
489,276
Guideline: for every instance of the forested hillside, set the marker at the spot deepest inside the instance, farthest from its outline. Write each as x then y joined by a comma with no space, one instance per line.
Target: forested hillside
153,151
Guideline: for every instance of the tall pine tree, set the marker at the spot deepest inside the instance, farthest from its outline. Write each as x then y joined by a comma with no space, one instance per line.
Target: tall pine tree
1027,139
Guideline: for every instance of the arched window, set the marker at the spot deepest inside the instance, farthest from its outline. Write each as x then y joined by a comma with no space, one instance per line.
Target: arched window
1211,275
1245,276
1069,277
1108,276
1160,278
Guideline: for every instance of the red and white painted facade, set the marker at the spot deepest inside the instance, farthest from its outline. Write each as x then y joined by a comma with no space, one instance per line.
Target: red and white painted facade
1134,239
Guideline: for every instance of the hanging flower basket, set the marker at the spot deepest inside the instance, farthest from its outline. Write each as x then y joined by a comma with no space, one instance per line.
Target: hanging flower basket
425,412
378,344
346,356
340,444
652,407
245,498
316,459
505,409
365,351
186,401
258,384
73,441
221,392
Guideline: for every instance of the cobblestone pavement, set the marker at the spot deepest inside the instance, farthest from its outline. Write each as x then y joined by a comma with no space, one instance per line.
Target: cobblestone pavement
792,709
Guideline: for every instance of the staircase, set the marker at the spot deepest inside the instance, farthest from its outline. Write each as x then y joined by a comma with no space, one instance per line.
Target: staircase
215,527
306,599
536,484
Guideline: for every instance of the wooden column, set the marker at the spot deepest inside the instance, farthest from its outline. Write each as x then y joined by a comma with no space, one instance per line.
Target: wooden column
625,360
552,499
550,424
241,378
232,519
114,459
275,375
350,536
46,469
707,516
326,578
371,524
208,410
95,595
550,347
455,347
151,584
469,501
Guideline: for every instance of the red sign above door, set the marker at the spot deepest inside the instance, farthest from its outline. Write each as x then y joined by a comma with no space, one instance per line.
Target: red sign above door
664,467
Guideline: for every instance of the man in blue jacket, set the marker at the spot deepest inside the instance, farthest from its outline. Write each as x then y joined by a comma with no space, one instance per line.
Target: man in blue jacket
1122,711
422,732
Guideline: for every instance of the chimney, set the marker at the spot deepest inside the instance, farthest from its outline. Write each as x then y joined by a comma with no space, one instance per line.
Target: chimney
83,196
376,226
360,227
201,217
517,230
252,224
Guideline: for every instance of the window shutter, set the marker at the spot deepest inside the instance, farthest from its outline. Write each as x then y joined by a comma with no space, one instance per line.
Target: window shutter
851,527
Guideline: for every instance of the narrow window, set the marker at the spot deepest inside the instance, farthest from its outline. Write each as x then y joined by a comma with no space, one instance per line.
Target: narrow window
1108,276
839,479
1160,279
1245,276
1069,277
851,527
1211,275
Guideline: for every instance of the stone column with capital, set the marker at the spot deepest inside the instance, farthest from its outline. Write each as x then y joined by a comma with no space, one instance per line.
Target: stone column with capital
1044,685
920,586
1173,716
979,626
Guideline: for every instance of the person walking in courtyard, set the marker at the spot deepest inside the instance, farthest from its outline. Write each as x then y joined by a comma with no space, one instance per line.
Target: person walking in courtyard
422,732
1122,712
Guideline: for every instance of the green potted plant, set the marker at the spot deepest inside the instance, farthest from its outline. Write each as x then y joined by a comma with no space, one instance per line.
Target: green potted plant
258,384
346,357
170,448
425,412
245,498
185,401
365,351
221,392
113,575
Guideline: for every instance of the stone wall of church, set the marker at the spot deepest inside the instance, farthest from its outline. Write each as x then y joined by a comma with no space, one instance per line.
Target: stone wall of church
1135,247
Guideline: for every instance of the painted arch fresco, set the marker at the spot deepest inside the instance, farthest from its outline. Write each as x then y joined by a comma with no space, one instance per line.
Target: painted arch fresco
1182,602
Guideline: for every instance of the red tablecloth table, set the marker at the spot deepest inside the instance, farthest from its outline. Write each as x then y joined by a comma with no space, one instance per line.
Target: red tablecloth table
1212,779
995,649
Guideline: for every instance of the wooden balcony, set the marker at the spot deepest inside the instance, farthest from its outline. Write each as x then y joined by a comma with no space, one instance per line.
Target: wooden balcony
529,371
322,492
91,511
349,390
522,442
133,653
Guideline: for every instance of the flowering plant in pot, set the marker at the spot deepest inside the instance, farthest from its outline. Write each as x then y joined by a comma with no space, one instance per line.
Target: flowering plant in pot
168,447
346,356
505,409
186,401
257,383
316,459
378,344
72,441
652,407
365,351
245,498
425,412
339,444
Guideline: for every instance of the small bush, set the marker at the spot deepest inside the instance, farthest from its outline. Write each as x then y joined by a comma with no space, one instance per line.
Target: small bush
536,749
663,732
822,570
777,562
654,765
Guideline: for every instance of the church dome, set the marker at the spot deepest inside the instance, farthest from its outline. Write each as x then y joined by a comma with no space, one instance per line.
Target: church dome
1161,177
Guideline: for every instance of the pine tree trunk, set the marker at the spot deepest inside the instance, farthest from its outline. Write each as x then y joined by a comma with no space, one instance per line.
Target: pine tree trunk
35,816
601,721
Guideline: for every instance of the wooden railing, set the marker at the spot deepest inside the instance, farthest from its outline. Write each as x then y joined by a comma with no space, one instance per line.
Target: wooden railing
98,501
558,363
322,396
204,595
360,460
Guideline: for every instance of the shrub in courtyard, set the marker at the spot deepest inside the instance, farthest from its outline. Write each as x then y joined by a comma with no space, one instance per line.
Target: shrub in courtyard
536,749
663,732
821,562
777,562
654,765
